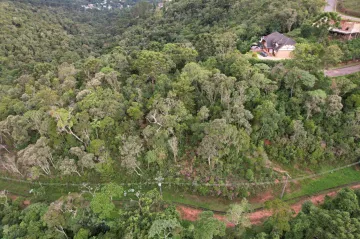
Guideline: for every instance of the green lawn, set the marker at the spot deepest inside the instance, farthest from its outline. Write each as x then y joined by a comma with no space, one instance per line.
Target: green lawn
208,202
15,188
338,178
353,5
22,189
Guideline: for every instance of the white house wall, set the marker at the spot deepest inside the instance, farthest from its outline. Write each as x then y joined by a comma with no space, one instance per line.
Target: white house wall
287,48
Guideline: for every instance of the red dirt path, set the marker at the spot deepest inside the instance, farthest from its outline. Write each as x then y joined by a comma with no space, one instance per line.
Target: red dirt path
257,217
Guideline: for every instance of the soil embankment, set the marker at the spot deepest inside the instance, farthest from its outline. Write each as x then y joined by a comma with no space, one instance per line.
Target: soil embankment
257,217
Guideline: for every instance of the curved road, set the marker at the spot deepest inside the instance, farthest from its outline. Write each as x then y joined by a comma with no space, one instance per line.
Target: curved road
342,71
331,7
258,216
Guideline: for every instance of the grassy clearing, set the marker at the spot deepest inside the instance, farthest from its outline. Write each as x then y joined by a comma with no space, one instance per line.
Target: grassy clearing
307,187
53,193
15,188
208,202
50,194
338,178
352,4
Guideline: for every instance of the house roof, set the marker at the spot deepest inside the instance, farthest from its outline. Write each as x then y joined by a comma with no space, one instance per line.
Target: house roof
277,40
347,27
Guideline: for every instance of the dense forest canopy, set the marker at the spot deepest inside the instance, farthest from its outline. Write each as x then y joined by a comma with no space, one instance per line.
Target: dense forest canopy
133,94
167,90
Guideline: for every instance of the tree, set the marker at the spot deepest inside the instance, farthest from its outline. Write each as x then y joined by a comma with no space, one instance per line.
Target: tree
207,226
117,60
130,150
299,136
39,121
163,228
82,234
86,160
203,114
68,166
183,89
112,190
180,54
102,204
141,10
196,73
152,64
135,111
36,155
289,16
66,70
314,102
334,105
346,200
268,119
66,75
342,85
337,218
166,117
15,128
237,214
237,113
218,139
296,79
65,121
8,162
240,68
91,66
60,213
137,220
101,103
281,215
332,55
173,143
308,56
205,45
29,223
225,43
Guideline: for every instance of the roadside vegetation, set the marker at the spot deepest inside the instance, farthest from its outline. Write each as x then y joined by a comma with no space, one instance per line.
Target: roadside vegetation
351,4
350,7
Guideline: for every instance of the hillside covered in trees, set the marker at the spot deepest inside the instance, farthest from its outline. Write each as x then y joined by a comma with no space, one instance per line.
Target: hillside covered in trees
130,95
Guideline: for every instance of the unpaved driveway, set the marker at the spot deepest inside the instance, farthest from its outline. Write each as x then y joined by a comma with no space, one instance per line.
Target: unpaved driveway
342,71
330,6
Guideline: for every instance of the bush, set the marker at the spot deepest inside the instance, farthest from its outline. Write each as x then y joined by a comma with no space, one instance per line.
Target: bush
249,175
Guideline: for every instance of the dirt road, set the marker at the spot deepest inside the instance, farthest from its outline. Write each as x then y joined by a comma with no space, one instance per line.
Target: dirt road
257,217
331,7
342,71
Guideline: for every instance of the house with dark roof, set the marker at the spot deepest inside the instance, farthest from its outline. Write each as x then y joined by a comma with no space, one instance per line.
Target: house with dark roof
277,45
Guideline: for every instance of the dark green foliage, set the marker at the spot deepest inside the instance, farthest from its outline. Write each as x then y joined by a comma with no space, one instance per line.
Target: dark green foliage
72,216
336,218
127,94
